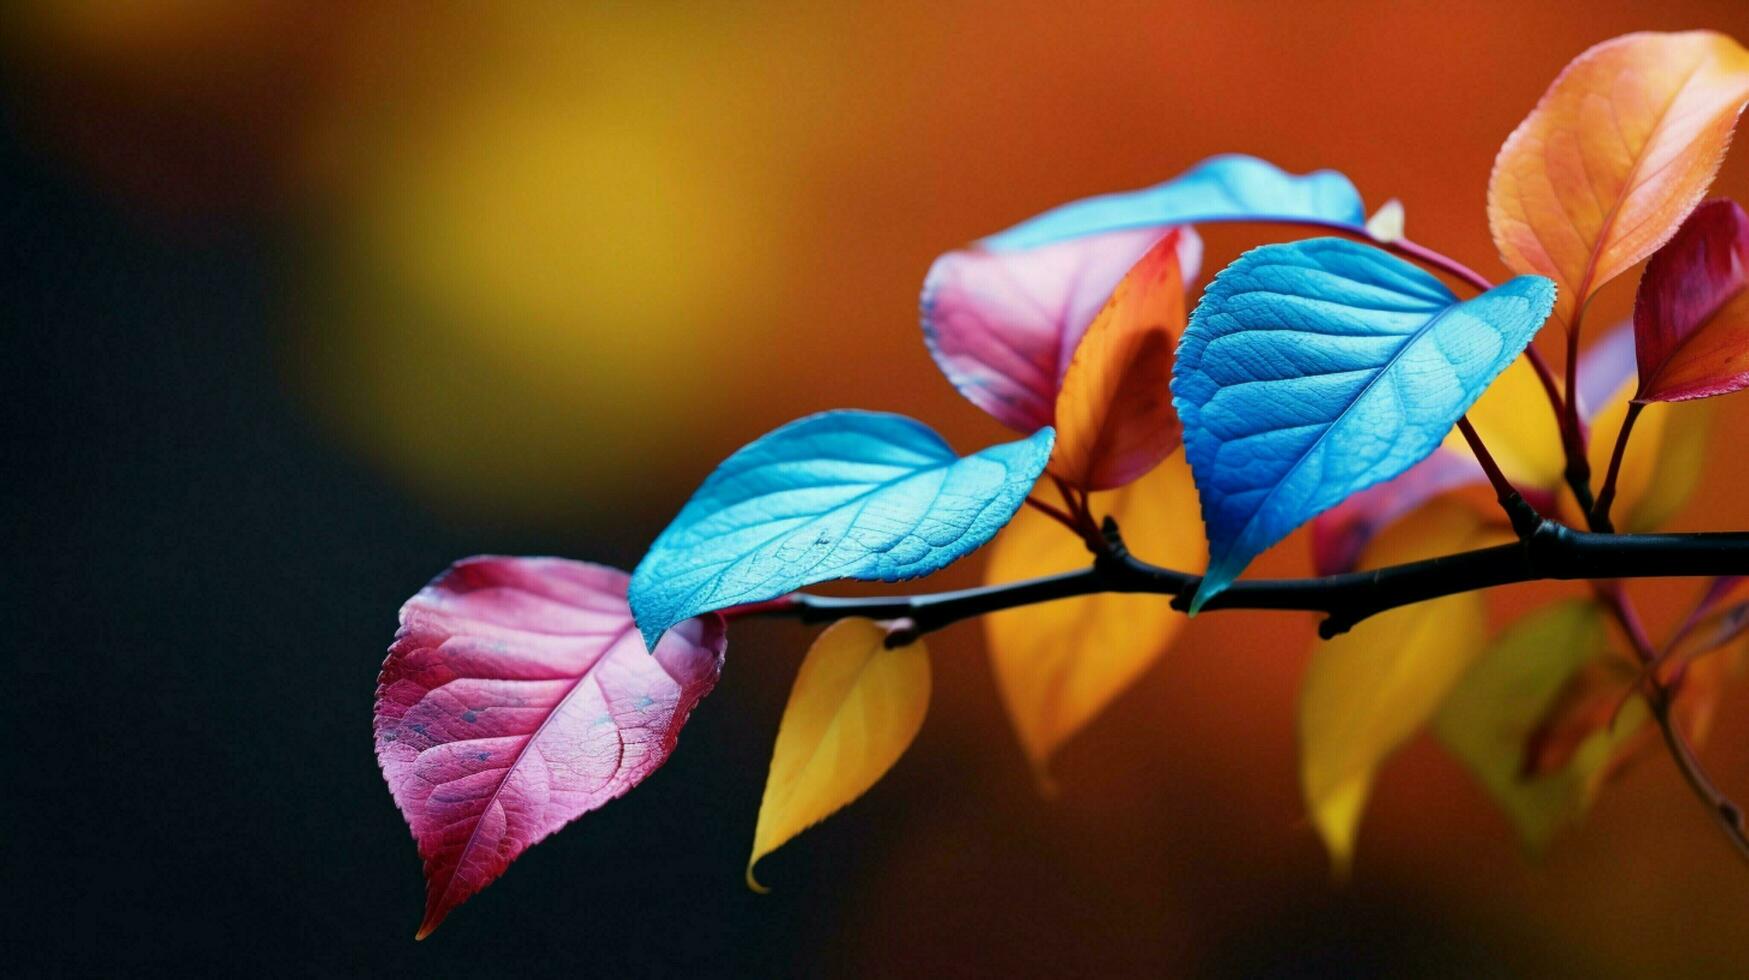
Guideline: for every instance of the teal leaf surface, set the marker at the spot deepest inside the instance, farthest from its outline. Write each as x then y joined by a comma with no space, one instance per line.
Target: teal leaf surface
1230,187
1315,369
846,494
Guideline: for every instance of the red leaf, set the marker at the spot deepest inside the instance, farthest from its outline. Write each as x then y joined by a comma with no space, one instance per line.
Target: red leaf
517,697
1691,317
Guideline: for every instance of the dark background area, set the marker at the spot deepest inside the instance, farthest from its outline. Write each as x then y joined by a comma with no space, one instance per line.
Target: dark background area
203,571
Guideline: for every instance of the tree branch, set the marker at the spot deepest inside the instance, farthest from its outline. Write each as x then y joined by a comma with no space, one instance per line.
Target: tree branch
1551,551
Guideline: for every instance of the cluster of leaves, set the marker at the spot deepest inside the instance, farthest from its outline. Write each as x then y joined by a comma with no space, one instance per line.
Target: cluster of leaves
1317,381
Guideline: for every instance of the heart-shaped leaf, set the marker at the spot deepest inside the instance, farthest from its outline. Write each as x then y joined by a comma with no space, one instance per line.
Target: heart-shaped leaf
1691,315
516,698
1003,326
1618,151
1230,187
1368,691
847,494
1114,413
1315,369
855,708
1502,700
1059,664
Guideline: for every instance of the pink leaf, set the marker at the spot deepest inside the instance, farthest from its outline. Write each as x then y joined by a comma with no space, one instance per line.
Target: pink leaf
1003,325
517,697
1691,316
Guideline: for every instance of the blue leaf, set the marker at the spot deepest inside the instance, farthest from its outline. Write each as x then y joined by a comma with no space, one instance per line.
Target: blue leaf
1315,369
847,494
1232,187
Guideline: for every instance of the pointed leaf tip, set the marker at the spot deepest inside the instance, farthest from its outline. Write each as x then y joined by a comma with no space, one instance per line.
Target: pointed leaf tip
855,708
846,494
1315,369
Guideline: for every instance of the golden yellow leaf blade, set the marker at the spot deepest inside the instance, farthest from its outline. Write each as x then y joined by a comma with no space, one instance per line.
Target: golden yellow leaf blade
855,708
1368,691
1618,151
1058,665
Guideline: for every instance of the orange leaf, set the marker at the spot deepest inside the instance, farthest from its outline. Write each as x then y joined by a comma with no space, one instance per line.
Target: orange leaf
1114,412
1059,664
1618,151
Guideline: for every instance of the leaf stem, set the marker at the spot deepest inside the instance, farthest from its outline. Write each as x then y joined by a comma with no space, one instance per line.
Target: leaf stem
1056,513
1523,516
1599,517
1578,472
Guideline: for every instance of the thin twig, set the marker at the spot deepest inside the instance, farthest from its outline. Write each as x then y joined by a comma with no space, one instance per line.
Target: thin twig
1523,516
1660,698
1599,517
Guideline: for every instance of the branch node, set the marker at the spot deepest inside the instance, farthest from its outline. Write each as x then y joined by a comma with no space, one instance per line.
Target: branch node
902,632
1335,625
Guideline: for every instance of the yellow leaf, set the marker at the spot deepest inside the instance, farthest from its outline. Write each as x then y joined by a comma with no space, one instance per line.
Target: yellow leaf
1618,151
1368,691
1665,456
1059,664
1518,425
854,710
1114,411
1506,697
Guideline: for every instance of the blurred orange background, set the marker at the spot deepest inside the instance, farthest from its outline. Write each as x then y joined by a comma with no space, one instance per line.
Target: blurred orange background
549,263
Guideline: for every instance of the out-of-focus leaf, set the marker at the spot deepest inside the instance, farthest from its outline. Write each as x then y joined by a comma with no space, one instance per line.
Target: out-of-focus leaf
1691,316
1386,224
1114,413
1369,690
1665,457
1704,682
1231,187
846,494
515,699
1061,663
1497,706
855,708
1313,370
1341,534
1713,631
1519,427
1586,704
1618,151
1004,326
